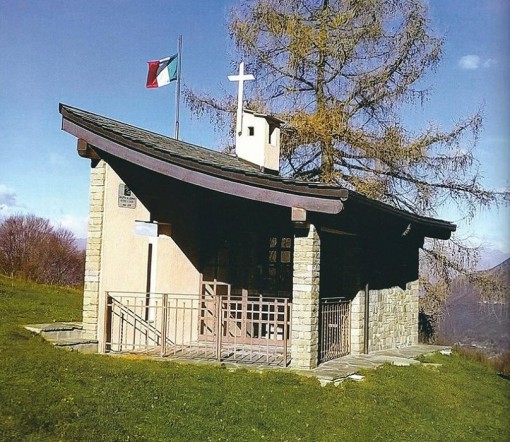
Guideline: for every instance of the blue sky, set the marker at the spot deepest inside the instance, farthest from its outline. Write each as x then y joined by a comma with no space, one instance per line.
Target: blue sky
92,55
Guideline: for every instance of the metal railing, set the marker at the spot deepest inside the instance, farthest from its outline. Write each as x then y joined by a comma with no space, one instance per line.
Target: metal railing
215,324
335,326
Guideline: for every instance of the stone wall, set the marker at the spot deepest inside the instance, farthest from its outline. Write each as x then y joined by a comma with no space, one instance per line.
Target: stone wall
305,300
357,323
393,319
93,252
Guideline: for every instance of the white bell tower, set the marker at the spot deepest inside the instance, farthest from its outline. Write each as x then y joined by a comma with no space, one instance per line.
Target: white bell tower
259,140
257,134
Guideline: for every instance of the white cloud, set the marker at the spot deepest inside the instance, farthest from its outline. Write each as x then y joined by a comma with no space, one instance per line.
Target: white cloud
469,62
473,62
8,196
77,225
9,204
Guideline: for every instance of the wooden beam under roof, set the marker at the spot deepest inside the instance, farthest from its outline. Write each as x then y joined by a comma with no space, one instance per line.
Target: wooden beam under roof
85,150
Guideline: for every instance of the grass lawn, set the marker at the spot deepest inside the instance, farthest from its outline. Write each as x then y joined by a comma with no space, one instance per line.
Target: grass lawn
48,394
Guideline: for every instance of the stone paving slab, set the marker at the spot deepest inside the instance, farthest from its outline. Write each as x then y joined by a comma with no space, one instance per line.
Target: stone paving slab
64,342
64,335
338,369
334,371
54,326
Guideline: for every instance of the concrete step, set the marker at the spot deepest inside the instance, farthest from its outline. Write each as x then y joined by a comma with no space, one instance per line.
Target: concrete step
67,335
56,328
81,345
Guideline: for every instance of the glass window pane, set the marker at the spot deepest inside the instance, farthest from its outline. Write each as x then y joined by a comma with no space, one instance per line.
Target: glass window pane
285,257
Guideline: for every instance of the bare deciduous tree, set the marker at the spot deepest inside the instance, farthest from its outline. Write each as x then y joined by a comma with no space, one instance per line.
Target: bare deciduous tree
31,248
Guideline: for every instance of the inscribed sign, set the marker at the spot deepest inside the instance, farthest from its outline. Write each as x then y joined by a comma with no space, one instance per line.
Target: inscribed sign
126,197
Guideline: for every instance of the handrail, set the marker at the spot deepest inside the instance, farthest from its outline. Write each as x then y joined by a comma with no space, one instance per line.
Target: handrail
142,322
125,309
216,323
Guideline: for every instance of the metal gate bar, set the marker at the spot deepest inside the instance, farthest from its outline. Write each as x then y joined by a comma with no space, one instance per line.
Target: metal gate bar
224,327
335,326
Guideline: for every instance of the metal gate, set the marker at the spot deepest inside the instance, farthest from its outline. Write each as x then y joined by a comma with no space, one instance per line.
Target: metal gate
335,327
215,325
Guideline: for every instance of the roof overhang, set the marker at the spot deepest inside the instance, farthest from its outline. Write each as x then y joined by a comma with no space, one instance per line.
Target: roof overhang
220,184
427,226
215,171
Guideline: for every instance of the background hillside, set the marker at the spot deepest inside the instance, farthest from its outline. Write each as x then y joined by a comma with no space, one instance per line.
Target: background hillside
470,320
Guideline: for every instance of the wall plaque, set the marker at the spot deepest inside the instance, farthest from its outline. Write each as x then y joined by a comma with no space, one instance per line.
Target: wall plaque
126,198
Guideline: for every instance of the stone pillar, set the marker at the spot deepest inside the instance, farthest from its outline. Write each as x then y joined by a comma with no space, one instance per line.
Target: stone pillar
414,309
305,300
93,252
358,323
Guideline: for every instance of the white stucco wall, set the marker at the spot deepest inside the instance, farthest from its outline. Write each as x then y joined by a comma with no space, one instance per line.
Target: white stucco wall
258,148
123,255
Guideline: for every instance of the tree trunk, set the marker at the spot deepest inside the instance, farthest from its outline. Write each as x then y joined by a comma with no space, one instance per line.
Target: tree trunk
326,145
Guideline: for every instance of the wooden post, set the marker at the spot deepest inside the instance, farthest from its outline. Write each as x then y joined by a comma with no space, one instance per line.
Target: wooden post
244,312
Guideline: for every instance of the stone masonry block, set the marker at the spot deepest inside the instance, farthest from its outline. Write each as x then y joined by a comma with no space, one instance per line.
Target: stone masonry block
304,346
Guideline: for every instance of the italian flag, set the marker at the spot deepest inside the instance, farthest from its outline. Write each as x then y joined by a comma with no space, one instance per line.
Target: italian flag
162,72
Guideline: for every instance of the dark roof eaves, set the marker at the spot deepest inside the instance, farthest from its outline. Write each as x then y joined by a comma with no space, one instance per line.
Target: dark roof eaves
412,217
240,174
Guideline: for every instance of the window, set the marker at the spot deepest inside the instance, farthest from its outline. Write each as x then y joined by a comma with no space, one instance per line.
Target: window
251,131
279,266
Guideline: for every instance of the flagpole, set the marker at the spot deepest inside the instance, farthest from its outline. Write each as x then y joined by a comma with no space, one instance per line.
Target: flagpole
178,88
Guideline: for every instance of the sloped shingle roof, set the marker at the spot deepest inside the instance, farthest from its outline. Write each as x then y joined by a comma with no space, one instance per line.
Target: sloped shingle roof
226,167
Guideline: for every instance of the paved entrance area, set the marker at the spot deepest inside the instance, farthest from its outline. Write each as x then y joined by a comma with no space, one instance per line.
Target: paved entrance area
341,368
68,335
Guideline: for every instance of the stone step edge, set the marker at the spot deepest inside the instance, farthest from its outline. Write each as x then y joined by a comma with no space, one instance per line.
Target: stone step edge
71,342
55,327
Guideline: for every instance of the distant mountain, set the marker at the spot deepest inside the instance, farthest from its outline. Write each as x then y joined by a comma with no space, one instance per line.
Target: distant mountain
502,271
490,258
471,321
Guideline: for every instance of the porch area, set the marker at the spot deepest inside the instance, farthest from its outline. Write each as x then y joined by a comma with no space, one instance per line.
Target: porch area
219,324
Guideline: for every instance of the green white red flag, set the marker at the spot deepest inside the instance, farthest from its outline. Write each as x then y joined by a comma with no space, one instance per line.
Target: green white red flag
162,72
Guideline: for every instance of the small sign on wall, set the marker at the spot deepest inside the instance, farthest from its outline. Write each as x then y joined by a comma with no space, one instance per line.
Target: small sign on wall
146,228
152,228
126,198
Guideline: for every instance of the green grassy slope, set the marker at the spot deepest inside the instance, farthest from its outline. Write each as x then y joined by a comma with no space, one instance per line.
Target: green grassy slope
48,394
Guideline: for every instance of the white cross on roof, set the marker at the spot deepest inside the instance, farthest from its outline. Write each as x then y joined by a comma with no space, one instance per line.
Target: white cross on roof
241,78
